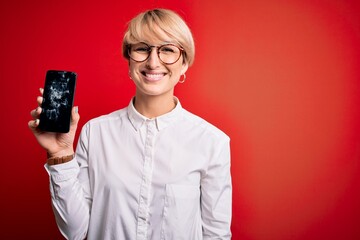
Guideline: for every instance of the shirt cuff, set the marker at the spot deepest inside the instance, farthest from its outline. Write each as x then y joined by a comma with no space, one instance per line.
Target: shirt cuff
64,171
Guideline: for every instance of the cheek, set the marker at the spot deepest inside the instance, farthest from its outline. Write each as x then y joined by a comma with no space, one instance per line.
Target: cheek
175,75
134,68
178,70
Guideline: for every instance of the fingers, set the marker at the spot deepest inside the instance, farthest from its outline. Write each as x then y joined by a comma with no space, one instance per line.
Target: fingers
36,113
39,100
33,124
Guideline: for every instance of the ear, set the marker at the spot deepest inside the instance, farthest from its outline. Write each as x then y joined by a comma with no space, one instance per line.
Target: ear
184,68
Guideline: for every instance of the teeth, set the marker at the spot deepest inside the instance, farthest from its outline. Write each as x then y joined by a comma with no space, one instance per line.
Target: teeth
154,76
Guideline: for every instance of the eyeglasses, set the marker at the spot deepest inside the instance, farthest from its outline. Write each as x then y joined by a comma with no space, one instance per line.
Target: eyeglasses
167,53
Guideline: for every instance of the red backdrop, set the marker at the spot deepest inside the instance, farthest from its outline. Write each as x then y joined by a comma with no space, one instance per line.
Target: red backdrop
282,78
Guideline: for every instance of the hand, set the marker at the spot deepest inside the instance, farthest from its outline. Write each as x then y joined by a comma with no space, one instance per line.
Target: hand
56,144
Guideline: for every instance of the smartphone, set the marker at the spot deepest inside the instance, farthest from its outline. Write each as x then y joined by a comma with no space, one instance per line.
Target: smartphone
58,98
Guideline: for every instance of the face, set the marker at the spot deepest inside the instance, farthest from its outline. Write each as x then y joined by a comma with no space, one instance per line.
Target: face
152,77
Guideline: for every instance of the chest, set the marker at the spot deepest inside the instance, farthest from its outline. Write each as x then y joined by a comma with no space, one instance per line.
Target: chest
123,161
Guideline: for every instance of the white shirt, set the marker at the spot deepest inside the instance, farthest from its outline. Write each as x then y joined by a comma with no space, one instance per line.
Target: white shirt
140,178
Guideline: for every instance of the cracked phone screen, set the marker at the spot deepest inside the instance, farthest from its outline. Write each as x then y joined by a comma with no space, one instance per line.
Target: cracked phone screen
57,101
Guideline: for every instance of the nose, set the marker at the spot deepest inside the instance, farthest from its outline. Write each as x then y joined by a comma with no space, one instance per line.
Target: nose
153,61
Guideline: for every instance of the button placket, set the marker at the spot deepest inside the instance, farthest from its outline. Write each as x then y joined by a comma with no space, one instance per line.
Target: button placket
145,188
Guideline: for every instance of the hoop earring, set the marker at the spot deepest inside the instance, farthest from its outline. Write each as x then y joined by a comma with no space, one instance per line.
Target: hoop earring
182,80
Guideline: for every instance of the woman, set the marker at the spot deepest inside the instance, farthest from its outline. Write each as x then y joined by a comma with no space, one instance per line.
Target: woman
151,170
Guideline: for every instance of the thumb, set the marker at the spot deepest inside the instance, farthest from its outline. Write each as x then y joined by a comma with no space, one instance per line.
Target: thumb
75,117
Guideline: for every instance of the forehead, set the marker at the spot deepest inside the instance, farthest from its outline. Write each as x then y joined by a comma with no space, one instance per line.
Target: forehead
152,34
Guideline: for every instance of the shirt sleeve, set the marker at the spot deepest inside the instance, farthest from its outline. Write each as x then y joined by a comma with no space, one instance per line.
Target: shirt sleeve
216,194
70,193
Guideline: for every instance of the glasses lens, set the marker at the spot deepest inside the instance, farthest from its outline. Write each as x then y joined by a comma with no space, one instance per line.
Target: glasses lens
169,53
139,52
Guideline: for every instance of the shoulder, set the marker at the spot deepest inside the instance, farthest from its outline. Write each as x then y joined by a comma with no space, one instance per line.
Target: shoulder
110,118
204,127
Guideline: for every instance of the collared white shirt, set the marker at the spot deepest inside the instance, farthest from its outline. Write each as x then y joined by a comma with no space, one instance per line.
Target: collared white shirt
139,178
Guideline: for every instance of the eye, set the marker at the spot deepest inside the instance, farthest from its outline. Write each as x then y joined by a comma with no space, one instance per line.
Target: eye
141,48
169,49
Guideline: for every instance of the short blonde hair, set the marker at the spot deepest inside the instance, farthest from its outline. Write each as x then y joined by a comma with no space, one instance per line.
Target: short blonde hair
153,24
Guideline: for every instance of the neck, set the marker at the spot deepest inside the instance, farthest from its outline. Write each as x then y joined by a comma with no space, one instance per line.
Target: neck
154,106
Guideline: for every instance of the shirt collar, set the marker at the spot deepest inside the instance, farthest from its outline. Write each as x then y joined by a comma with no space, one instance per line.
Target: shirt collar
137,120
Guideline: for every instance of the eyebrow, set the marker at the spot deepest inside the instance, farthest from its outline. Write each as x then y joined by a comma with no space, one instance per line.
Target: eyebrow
161,42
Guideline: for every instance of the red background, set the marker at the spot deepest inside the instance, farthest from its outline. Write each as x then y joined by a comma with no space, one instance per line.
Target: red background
282,78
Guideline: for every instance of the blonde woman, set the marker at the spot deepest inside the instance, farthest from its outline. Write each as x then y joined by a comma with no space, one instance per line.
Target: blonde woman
151,170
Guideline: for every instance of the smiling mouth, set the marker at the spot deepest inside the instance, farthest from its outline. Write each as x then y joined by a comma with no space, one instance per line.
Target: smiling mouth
153,76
